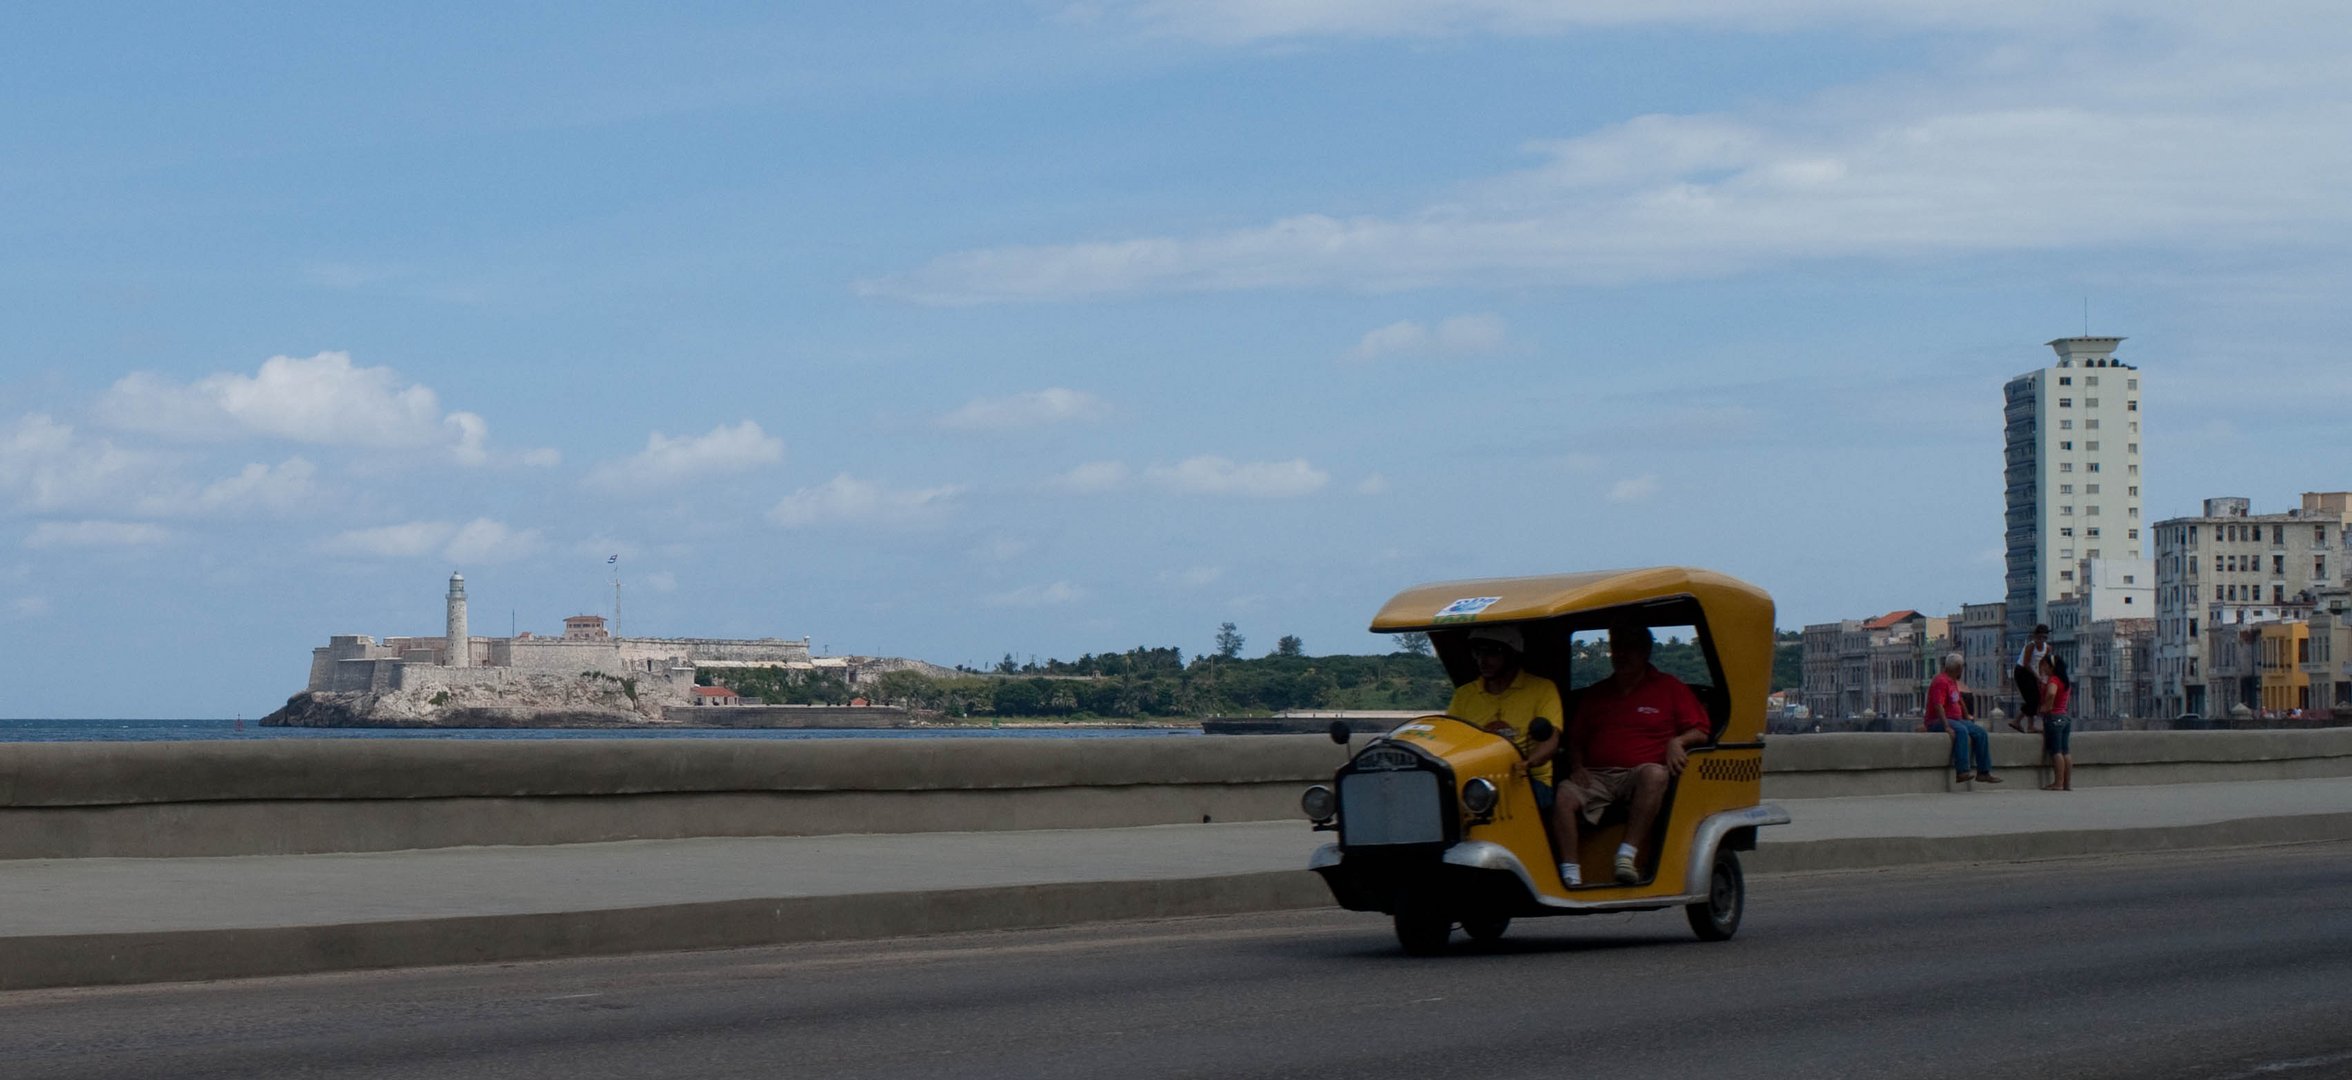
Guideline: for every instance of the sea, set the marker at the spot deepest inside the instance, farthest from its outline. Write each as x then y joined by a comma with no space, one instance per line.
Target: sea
84,730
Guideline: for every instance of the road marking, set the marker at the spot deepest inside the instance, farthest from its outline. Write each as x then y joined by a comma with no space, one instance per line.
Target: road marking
2296,1065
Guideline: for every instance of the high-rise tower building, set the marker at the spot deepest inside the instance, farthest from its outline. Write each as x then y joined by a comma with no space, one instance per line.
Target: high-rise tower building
2073,474
461,648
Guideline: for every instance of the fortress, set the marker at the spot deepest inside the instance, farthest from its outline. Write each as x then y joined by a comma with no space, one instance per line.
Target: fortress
357,663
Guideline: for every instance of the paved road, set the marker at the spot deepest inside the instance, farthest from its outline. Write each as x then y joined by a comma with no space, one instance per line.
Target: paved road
2198,965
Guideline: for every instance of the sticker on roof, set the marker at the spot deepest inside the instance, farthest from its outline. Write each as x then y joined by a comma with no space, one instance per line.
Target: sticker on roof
1465,609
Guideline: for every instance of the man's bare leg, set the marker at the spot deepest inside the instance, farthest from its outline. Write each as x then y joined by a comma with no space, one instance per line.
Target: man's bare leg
1649,792
1567,808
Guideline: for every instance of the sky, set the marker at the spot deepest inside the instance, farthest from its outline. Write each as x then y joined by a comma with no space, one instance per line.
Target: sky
962,330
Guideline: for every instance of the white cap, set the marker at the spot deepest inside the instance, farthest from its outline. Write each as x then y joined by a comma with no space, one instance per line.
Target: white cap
1506,636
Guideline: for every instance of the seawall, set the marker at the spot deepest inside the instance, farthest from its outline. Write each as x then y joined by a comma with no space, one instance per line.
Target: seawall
69,800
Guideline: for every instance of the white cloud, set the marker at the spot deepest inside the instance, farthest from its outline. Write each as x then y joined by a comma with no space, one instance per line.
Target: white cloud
1002,549
1094,478
544,457
665,461
2189,134
324,399
1056,594
1213,475
661,581
1037,408
846,500
1374,484
30,607
1461,335
1634,488
393,541
485,541
1241,21
94,534
278,487
1193,577
478,541
46,465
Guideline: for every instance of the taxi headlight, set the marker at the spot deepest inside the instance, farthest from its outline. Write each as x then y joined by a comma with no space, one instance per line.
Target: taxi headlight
1479,796
1319,803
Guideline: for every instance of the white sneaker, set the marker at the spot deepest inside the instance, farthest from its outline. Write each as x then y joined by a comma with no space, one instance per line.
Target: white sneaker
1627,872
1572,874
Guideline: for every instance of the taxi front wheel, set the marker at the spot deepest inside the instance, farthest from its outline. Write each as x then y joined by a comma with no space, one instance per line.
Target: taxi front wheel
1718,916
1423,929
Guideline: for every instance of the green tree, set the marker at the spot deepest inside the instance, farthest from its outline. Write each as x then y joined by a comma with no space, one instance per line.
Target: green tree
1413,644
1290,645
1229,641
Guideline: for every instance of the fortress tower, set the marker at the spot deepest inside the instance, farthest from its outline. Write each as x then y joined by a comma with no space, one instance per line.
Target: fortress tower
461,650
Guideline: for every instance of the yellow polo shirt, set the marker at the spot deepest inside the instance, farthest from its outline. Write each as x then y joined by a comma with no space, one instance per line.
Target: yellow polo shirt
1528,697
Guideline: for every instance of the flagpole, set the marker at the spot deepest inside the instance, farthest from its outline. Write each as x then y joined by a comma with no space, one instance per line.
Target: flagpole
615,563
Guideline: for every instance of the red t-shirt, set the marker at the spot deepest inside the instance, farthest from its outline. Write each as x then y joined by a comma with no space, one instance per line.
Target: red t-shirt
1620,731
2060,696
1943,700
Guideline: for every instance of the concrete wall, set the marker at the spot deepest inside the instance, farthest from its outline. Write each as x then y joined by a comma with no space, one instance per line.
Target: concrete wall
66,800
1830,765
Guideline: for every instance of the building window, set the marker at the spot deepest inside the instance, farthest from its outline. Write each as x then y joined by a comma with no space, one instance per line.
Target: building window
2090,403
2065,425
2066,489
2093,424
2066,511
2131,384
2066,531
2091,554
2133,535
2091,511
2090,489
2065,403
2066,466
2319,534
2319,566
2094,532
2218,567
2278,565
2131,448
2133,405
2066,575
2092,446
2091,381
2278,535
2066,445
2066,380
2134,492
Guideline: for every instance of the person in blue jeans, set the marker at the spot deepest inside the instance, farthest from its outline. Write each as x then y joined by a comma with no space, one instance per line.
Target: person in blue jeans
1947,710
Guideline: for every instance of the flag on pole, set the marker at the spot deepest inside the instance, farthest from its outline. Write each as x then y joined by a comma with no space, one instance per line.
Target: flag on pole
613,559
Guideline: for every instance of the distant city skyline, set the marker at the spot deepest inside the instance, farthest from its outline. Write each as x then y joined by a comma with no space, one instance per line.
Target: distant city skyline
1068,328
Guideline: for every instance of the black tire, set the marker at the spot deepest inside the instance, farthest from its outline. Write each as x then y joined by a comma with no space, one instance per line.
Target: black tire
1423,930
1486,929
1718,916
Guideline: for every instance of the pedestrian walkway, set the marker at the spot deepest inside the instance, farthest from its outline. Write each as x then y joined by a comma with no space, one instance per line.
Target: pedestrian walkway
81,921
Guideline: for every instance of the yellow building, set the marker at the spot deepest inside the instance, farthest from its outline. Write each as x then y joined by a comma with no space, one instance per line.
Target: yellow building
2280,653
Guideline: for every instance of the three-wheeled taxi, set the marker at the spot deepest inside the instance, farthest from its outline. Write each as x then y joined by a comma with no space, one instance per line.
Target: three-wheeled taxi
1438,828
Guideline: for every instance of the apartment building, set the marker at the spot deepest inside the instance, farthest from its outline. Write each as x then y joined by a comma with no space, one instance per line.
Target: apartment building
2071,477
2228,569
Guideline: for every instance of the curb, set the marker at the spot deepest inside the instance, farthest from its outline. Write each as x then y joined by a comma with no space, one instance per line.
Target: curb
51,961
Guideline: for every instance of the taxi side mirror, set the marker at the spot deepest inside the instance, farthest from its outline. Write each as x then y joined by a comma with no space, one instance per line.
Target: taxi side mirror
1540,731
1340,733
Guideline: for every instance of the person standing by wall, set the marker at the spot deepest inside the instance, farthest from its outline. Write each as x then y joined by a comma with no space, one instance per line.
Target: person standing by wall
2058,727
1947,710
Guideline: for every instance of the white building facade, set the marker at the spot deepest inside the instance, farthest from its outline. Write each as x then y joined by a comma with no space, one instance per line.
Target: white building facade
2071,475
2229,568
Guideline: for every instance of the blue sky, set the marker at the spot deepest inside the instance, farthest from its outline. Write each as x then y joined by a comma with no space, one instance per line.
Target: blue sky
1047,328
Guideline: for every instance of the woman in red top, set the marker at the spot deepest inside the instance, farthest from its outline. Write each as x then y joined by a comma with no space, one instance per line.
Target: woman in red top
2058,727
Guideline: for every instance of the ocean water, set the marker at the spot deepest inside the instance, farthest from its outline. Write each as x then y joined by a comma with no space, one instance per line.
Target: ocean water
179,730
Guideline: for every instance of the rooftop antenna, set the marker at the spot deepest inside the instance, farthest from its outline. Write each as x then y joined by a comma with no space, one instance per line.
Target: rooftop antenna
2086,315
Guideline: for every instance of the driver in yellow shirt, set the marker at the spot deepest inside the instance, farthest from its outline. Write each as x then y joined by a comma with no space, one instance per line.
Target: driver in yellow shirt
1506,700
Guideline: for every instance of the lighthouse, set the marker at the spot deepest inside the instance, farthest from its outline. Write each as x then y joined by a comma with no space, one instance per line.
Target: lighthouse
461,649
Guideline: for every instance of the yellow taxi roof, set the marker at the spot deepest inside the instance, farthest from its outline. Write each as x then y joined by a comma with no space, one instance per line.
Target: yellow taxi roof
1492,600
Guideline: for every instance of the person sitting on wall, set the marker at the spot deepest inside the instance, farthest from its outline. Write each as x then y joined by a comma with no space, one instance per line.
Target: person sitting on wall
1506,700
1947,710
1633,733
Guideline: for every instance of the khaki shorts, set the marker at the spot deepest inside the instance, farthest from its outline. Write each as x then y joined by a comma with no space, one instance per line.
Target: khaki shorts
1607,788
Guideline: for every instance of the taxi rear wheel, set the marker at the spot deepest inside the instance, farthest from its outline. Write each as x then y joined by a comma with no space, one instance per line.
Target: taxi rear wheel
1718,916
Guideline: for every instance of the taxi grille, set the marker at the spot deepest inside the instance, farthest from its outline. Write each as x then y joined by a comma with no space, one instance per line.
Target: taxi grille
1399,807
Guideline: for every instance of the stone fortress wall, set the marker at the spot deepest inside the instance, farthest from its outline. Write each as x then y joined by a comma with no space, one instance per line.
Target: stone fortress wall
358,663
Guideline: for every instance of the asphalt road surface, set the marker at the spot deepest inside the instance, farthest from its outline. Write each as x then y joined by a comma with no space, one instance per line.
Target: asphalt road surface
2207,965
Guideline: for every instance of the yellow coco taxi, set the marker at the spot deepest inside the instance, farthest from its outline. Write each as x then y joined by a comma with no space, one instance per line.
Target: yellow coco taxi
1438,826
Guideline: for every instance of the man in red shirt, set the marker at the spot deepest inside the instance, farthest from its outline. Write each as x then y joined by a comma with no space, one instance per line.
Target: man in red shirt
1633,733
1947,710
